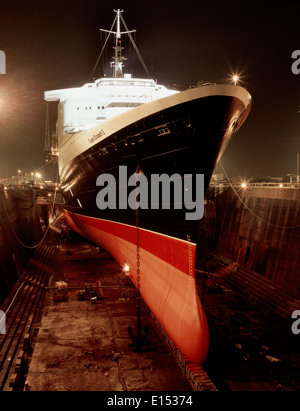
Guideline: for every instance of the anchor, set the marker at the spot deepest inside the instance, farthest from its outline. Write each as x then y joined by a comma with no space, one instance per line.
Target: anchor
140,342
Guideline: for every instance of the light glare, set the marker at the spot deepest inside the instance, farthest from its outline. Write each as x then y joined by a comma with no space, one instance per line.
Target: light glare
235,79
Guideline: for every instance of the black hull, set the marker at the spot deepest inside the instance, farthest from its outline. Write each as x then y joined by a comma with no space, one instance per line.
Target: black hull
186,139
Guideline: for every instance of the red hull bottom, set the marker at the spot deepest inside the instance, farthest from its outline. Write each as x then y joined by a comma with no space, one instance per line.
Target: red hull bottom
167,278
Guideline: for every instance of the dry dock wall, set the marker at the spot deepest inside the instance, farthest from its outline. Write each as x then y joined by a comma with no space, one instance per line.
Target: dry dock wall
21,221
265,239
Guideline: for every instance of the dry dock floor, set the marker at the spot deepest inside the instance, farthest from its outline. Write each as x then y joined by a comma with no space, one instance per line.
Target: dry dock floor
86,347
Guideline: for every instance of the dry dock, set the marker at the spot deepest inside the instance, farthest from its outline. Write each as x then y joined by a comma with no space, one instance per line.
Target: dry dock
86,347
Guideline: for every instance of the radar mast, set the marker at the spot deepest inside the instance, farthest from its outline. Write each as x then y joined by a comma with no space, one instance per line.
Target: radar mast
118,59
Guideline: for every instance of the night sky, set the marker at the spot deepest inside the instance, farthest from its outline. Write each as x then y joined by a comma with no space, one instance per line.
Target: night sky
55,44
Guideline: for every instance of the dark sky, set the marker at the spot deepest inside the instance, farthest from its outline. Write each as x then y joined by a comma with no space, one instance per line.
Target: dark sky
54,44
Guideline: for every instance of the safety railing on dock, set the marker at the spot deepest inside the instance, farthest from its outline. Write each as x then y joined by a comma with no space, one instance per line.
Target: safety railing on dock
277,185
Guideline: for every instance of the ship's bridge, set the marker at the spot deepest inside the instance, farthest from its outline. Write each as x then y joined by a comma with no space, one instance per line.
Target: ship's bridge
126,81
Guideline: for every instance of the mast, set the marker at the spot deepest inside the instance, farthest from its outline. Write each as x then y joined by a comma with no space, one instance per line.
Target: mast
118,66
118,59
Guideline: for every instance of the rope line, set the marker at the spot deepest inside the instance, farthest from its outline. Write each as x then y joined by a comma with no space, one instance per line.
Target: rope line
94,69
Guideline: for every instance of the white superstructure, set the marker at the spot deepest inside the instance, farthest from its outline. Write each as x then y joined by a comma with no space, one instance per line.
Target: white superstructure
88,106
94,103
89,114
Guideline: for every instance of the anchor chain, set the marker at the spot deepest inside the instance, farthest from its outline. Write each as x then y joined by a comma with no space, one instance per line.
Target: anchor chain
140,341
138,279
137,226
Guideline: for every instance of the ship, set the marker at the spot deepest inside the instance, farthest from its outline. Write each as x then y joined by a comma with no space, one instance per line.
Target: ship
127,127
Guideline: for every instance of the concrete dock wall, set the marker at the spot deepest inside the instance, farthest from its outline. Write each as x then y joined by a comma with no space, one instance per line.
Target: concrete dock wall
21,221
258,228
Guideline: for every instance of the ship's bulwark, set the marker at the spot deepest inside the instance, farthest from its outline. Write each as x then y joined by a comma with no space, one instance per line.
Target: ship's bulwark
185,139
